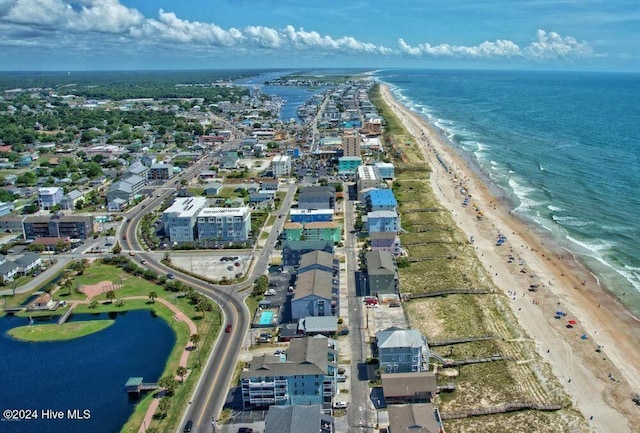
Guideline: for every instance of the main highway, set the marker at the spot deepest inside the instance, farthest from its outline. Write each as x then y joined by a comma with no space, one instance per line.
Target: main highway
211,391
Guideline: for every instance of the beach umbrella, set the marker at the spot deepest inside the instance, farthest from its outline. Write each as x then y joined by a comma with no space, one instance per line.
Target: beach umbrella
583,336
572,322
559,313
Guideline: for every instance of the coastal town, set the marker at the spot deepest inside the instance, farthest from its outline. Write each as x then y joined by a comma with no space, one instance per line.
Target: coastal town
334,272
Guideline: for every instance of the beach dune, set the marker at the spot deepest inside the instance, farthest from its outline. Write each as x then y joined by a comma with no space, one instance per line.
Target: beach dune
598,358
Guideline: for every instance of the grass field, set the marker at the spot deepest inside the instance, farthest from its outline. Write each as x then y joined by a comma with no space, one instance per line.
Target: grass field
55,332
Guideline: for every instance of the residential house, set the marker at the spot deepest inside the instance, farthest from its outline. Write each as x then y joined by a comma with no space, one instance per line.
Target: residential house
297,419
230,161
377,199
28,263
321,260
386,241
207,175
293,250
382,275
414,418
125,190
318,325
6,207
383,221
306,375
212,189
311,215
414,387
224,224
180,218
348,164
315,294
49,197
316,197
138,168
402,350
8,271
326,231
70,199
386,169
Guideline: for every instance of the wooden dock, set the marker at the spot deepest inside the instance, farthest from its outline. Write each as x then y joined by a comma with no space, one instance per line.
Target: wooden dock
66,315
136,385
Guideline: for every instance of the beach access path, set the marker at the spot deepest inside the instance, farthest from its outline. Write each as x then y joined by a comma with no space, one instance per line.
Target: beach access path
600,384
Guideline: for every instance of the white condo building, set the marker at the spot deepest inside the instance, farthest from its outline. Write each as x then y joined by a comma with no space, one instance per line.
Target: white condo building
281,165
180,219
224,224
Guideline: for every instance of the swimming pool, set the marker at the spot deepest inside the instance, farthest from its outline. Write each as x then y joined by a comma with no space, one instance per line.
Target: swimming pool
266,317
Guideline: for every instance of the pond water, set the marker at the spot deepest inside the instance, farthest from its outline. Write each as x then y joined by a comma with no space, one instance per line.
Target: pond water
84,374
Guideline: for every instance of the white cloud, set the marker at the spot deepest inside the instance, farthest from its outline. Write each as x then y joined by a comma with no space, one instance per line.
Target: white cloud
547,46
552,45
77,25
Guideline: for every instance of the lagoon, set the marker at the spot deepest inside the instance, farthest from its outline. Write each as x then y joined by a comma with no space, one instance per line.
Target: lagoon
87,373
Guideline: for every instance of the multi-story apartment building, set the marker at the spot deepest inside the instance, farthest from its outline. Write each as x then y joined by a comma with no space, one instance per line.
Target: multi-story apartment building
382,275
180,218
281,165
351,143
224,224
311,215
316,197
380,199
306,375
71,226
49,197
367,176
160,172
383,221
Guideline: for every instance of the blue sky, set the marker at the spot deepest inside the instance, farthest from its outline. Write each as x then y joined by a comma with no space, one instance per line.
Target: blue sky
188,34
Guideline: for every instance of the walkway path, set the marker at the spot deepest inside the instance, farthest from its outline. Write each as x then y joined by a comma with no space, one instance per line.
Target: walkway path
178,315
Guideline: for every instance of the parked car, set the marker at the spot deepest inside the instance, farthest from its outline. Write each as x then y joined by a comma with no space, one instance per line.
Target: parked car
370,301
245,430
342,378
395,304
270,292
340,405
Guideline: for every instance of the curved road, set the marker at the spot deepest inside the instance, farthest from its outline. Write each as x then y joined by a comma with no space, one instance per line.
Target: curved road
211,391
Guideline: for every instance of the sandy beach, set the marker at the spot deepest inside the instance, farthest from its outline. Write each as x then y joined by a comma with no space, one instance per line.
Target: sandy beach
600,382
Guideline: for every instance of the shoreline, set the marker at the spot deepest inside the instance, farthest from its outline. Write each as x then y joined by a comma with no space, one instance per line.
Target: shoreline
557,240
601,318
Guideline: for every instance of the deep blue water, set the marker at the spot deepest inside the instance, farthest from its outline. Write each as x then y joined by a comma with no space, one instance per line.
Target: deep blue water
563,149
85,373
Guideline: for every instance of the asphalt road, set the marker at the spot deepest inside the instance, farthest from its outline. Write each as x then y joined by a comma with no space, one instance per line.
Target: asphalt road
211,391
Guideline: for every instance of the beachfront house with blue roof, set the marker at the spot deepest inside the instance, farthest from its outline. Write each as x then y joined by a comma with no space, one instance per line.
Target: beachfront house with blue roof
380,199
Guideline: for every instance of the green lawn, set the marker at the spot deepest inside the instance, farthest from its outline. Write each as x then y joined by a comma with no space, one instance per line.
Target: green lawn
55,332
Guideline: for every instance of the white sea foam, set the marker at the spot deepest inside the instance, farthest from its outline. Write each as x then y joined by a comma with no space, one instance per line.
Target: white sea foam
522,192
553,208
569,221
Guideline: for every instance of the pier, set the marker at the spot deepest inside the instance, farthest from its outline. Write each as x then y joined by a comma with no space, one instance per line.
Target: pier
135,385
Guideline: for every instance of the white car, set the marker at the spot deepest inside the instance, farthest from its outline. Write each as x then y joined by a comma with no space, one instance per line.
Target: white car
270,292
340,405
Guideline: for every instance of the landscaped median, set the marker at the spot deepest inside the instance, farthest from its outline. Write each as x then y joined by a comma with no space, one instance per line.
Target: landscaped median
55,332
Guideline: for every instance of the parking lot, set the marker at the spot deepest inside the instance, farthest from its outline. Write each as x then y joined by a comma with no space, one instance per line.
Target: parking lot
216,267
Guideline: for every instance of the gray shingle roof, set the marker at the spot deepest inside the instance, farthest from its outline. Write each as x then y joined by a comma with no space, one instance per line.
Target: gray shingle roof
398,337
295,419
314,282
380,263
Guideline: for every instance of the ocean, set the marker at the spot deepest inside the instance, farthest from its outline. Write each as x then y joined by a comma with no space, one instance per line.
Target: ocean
561,148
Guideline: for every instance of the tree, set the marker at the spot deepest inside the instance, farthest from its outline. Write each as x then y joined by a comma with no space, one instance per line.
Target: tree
93,304
164,406
117,249
181,371
203,305
111,295
67,284
168,383
195,339
152,296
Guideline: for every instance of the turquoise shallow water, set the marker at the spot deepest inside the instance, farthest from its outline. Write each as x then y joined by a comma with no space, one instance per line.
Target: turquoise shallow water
563,150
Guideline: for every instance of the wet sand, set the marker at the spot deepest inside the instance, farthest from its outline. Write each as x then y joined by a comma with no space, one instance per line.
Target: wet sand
600,383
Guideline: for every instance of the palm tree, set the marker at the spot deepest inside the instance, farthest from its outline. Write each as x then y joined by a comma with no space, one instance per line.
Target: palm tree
67,284
181,371
93,304
168,383
111,295
164,405
195,339
153,296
